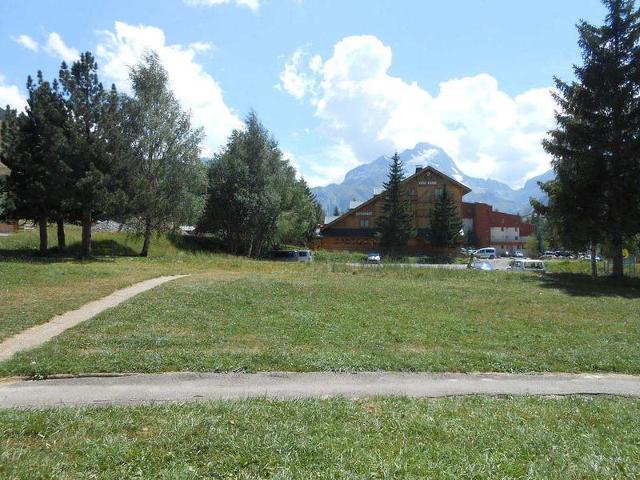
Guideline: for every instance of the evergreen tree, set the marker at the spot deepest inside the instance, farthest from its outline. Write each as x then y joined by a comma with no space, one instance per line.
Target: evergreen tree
96,153
34,146
166,175
395,225
254,200
336,211
596,144
445,226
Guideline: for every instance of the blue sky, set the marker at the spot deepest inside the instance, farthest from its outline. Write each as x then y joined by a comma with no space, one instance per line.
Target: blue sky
339,83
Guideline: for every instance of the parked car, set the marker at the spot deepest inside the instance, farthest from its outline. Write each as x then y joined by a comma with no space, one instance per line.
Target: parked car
487,252
284,255
549,254
518,254
479,265
374,258
305,256
526,265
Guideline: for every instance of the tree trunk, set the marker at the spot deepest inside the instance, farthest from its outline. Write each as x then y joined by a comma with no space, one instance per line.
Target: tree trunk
62,242
86,233
618,267
594,265
44,241
147,238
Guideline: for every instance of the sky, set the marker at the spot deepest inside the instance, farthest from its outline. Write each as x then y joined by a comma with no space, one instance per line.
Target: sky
337,82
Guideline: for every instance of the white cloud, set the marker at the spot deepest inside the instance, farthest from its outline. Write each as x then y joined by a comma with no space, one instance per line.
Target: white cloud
487,131
11,95
328,166
56,47
27,42
251,4
196,90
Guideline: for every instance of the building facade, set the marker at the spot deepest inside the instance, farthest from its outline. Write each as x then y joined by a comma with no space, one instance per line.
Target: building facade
355,230
505,232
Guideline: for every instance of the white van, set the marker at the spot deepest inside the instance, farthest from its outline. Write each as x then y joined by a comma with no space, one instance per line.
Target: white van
488,252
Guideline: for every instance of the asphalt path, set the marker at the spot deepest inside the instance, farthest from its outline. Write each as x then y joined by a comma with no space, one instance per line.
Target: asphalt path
190,387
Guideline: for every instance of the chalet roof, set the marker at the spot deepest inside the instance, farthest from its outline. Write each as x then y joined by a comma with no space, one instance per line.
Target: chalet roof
429,168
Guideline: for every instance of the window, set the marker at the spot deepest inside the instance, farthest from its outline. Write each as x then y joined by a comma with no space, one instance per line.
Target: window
502,229
364,223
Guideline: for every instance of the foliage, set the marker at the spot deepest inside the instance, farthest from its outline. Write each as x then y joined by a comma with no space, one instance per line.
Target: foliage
395,225
33,145
97,154
444,230
596,144
254,200
167,178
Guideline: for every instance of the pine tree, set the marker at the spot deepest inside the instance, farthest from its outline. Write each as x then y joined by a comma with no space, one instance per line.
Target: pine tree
395,225
596,145
336,211
167,176
34,145
445,225
96,153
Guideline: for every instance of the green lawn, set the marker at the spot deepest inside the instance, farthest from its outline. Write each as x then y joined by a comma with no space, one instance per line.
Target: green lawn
328,317
472,437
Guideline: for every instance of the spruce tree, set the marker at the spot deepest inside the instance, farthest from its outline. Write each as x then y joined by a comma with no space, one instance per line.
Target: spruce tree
395,225
445,225
596,145
336,211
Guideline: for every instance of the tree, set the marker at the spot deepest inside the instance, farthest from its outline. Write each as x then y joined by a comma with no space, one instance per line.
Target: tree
34,145
254,200
167,176
596,144
95,147
336,211
395,225
445,226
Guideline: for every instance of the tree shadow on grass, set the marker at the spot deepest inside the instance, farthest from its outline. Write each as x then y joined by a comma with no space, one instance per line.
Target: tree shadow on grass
102,251
581,285
196,243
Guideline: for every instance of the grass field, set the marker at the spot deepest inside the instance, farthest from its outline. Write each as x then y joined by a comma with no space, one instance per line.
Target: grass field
473,437
235,314
238,315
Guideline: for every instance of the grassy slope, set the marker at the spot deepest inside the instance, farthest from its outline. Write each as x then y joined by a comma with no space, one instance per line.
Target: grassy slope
34,289
469,437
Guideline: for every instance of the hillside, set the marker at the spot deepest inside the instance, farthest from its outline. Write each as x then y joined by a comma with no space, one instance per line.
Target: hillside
359,183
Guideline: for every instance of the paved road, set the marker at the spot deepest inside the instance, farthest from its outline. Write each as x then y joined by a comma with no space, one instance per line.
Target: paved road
190,387
39,334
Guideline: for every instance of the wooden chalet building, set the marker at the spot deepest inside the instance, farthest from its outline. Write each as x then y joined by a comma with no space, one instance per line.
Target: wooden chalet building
355,230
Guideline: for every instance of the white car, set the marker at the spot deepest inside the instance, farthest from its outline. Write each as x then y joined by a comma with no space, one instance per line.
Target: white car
527,266
488,252
374,258
305,256
518,254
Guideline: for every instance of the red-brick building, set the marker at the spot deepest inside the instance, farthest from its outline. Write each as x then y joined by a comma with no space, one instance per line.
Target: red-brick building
503,231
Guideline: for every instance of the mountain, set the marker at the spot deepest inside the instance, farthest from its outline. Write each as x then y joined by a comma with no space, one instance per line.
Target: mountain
359,183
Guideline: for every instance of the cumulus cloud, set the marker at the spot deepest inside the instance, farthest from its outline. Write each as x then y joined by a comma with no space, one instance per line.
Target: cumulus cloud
11,95
196,90
251,4
55,46
27,42
487,131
